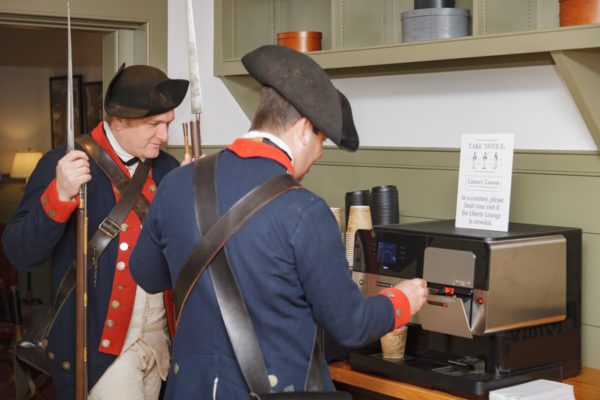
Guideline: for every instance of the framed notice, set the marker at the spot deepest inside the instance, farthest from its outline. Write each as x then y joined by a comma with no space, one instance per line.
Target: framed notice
58,108
484,181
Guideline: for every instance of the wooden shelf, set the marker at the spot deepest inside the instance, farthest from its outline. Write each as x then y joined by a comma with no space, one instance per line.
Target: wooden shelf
574,50
501,49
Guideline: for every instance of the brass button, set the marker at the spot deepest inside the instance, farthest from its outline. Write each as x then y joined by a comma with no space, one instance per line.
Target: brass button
110,323
66,365
124,227
273,380
152,188
120,287
44,200
51,213
105,343
115,304
175,368
399,313
120,265
45,342
51,355
123,246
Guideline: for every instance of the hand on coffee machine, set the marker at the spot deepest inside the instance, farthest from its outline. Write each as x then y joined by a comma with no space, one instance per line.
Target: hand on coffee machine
416,291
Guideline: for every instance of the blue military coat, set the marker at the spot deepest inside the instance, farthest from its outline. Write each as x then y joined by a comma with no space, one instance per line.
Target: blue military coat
291,267
32,236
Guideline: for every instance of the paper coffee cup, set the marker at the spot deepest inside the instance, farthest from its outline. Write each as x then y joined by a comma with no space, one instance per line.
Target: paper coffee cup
394,343
337,212
359,218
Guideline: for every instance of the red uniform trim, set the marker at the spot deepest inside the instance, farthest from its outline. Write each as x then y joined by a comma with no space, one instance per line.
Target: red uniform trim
55,208
124,287
100,137
400,302
247,148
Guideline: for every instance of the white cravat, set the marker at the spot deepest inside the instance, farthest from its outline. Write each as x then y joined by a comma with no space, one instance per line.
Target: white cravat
121,153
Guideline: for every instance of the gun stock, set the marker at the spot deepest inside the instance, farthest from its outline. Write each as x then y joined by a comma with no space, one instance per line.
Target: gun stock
81,375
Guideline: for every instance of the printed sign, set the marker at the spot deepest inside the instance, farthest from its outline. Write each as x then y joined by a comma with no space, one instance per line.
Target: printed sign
484,181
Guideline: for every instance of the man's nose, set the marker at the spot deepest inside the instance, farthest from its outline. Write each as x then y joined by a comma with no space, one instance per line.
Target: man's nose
163,132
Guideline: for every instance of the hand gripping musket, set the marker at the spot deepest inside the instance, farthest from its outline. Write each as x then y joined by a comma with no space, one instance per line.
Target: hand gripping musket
195,93
82,224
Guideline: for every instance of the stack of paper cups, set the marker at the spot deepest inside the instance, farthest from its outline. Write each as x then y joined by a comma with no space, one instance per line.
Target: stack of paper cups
337,213
358,218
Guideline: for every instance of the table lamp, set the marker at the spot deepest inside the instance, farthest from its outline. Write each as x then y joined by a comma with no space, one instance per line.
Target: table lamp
24,164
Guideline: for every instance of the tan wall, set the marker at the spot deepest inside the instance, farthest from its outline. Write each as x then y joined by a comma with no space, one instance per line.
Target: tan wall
150,12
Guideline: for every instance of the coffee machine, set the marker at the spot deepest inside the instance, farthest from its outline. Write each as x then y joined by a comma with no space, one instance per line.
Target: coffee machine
503,307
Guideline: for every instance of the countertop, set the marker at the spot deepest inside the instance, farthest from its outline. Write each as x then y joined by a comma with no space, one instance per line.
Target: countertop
586,385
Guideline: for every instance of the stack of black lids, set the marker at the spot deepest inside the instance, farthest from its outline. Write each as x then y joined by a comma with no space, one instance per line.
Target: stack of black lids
384,205
357,198
382,200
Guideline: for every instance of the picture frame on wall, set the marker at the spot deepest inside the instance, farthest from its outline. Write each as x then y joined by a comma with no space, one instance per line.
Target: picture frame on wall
58,108
93,105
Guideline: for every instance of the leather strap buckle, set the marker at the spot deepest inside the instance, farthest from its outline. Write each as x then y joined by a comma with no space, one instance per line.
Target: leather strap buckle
110,228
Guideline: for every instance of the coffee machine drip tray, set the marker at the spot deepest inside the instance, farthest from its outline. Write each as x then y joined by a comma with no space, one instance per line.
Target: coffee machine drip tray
465,377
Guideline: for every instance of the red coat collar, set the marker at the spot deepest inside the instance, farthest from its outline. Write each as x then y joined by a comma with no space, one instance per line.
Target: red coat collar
100,137
247,148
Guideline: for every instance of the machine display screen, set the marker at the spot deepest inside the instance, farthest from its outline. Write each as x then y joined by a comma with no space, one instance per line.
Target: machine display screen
398,255
387,252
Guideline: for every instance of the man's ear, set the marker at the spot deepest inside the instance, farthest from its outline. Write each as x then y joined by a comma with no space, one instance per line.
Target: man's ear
116,123
300,130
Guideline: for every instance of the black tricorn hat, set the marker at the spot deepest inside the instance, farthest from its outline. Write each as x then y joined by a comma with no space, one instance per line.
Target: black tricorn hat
304,84
141,91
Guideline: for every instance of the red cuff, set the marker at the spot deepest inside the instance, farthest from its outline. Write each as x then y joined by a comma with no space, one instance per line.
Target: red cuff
401,306
56,209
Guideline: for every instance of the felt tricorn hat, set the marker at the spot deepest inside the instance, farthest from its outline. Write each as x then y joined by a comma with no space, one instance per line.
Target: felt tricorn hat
304,84
140,91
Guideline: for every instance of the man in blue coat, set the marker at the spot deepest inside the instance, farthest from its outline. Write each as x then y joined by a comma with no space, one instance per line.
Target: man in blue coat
288,259
128,342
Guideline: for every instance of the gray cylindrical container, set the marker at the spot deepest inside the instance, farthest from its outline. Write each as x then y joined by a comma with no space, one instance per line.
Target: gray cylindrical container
433,3
435,23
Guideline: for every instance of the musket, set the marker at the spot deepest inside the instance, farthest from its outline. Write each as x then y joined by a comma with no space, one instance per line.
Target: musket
81,385
195,93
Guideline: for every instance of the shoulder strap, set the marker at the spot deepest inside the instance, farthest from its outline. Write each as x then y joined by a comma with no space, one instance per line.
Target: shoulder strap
108,229
114,173
214,239
229,297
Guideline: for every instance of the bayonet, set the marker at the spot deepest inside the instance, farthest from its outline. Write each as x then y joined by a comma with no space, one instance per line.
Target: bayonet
70,117
81,386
